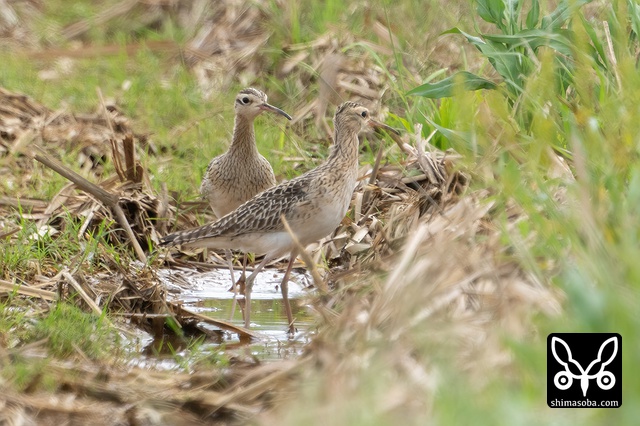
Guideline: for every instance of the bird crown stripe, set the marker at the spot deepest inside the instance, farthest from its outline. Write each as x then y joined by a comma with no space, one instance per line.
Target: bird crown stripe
252,91
347,105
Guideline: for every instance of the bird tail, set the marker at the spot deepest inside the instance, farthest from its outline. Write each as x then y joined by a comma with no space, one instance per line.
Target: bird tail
171,239
185,237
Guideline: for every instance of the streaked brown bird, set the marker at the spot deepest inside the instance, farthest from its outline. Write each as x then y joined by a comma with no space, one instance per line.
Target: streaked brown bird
242,172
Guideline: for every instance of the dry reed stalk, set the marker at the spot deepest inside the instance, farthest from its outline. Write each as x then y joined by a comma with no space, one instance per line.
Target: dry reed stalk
26,290
317,279
110,200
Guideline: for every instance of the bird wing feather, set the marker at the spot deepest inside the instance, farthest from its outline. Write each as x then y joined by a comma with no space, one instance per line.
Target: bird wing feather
259,214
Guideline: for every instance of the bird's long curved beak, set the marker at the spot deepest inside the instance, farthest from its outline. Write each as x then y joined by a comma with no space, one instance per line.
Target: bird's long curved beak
377,124
266,107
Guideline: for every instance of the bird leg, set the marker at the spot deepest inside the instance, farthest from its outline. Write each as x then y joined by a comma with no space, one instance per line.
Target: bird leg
229,255
248,285
240,283
243,277
284,288
234,287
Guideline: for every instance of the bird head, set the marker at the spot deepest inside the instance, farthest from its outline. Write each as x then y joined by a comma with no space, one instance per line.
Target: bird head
252,102
353,116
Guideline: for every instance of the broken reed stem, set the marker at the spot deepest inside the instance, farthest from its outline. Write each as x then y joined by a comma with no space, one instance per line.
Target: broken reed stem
317,280
94,307
91,188
76,285
110,200
376,166
374,175
25,290
611,55
122,219
131,170
225,325
117,162
398,140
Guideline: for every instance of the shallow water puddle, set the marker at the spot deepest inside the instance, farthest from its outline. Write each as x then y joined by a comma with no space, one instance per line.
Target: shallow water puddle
207,293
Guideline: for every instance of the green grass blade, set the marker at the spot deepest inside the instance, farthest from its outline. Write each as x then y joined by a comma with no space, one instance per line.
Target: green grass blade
446,87
476,41
450,134
511,65
559,17
512,12
598,54
491,11
535,38
534,15
634,14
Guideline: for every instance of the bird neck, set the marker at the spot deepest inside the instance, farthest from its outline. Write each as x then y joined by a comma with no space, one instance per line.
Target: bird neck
244,137
345,148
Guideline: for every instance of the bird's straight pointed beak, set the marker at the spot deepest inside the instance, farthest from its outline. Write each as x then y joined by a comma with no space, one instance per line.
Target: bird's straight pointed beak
266,107
377,124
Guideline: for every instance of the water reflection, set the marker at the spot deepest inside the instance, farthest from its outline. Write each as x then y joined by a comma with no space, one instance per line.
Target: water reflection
207,294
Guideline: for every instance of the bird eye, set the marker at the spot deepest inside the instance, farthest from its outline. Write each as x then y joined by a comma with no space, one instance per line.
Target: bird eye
364,114
245,100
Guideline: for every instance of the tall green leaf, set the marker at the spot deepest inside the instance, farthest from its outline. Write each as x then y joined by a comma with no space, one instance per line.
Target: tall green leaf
476,41
450,134
599,54
446,87
559,17
511,65
557,40
634,13
511,14
534,15
491,11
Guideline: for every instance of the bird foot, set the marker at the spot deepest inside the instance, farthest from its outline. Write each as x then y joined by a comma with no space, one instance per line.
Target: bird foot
241,283
291,331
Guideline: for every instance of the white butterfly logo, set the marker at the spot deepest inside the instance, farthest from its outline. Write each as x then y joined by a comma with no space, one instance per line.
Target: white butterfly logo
564,379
